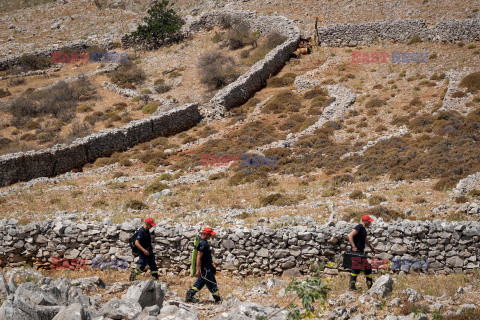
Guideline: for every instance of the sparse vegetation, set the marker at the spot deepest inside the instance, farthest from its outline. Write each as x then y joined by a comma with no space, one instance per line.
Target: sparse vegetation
276,199
414,40
156,186
127,73
282,81
60,101
471,82
284,101
216,70
135,205
357,194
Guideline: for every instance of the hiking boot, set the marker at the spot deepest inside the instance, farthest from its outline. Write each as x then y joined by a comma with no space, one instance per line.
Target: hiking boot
217,299
369,284
352,286
190,298
133,275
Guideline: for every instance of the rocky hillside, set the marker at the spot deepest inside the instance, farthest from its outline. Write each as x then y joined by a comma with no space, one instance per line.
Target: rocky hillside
385,126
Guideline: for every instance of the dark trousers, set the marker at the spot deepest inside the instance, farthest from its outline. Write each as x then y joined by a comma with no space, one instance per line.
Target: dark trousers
207,277
366,267
144,260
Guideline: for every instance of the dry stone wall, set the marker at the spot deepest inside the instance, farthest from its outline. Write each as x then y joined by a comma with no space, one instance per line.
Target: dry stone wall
448,247
24,166
256,77
339,35
9,62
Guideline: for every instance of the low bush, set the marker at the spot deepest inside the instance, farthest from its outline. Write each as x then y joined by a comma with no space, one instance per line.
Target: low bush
376,200
357,194
217,176
293,123
216,70
128,72
276,199
419,200
156,186
239,35
135,205
162,88
414,40
150,107
14,82
284,101
315,92
4,93
243,177
330,192
282,81
84,109
375,102
471,82
120,106
474,193
59,101
31,62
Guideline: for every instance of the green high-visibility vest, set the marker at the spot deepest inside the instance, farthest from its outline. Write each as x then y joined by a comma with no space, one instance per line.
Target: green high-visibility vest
193,264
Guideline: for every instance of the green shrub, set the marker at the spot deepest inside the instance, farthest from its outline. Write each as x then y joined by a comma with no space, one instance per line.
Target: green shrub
150,107
160,23
156,186
165,176
146,91
414,40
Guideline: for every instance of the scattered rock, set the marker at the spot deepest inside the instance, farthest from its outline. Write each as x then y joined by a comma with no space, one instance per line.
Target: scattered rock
382,286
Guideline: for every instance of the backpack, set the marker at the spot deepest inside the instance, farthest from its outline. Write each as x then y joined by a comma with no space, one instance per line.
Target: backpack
193,261
131,241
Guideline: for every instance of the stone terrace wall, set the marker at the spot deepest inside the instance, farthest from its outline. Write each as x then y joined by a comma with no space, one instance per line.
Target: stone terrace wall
256,77
449,247
24,166
6,63
339,35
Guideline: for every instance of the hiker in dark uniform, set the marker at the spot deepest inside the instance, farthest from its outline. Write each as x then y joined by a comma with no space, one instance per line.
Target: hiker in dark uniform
146,256
205,269
358,239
